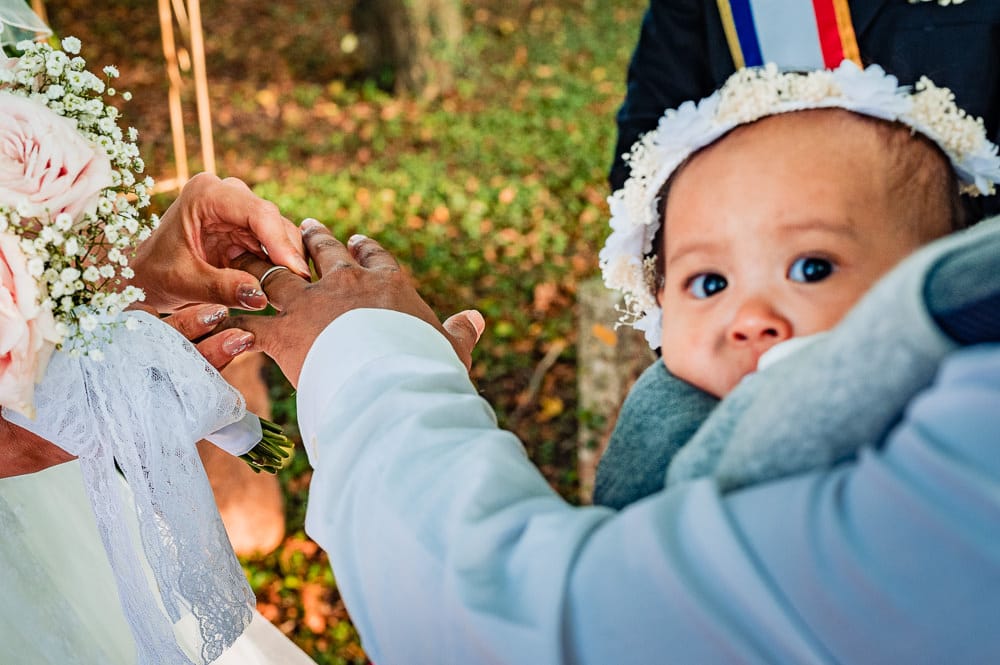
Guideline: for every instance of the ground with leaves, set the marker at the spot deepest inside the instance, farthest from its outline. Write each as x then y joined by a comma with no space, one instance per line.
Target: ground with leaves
493,196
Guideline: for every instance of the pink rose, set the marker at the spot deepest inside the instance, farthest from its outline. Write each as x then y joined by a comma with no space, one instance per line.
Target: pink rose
27,331
45,162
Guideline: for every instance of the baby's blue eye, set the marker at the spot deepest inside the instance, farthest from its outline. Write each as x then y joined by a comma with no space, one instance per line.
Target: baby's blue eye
810,269
706,284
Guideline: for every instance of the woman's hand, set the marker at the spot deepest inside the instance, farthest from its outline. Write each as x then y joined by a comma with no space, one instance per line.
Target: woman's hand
22,452
199,323
186,260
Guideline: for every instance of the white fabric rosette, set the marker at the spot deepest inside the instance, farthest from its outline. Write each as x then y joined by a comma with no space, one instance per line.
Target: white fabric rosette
143,407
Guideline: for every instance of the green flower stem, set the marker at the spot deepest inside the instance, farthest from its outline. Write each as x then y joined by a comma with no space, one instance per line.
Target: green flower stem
272,452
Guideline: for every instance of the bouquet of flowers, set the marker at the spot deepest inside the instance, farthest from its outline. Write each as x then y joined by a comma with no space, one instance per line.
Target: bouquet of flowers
124,392
71,192
70,196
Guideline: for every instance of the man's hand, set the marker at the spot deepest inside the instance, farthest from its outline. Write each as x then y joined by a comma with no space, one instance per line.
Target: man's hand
187,259
362,274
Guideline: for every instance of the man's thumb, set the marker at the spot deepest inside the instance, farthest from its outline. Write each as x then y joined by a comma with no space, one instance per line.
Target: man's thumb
464,329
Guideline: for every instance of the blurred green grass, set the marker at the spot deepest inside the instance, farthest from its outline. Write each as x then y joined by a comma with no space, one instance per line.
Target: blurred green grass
492,197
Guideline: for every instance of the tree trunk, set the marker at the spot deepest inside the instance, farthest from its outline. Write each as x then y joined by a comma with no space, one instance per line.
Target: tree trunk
417,40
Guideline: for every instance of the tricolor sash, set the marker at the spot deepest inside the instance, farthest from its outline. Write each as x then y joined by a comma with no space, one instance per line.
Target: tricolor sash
793,34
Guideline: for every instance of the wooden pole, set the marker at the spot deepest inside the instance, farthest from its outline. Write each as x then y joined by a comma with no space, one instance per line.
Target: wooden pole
201,86
38,6
174,92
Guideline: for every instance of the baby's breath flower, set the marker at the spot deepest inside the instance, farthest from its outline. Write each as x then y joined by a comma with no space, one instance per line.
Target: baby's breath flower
75,260
71,45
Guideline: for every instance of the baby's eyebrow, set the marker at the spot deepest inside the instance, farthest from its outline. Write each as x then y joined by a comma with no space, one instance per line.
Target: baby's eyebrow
699,246
841,227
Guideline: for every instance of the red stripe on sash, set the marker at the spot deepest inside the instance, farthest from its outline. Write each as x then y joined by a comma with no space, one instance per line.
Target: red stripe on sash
829,33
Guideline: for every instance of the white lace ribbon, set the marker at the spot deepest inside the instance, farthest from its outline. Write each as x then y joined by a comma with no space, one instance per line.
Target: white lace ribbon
144,407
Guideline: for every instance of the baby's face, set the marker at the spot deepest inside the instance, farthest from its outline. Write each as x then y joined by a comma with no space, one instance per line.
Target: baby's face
773,232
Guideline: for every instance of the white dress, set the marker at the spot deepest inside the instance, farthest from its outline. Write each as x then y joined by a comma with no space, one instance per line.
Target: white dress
60,604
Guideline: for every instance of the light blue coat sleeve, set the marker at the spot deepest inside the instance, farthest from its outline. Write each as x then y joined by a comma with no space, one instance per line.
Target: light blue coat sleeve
449,547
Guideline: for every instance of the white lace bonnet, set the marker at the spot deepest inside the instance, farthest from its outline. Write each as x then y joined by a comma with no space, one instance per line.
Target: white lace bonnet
627,262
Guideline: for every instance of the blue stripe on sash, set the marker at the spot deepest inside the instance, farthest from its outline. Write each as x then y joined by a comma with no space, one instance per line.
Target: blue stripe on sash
747,32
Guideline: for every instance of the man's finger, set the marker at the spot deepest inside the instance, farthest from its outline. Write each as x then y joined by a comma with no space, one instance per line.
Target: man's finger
327,252
464,330
276,282
270,335
369,254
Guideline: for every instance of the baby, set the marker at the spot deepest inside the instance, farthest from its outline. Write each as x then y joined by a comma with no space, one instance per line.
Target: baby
774,217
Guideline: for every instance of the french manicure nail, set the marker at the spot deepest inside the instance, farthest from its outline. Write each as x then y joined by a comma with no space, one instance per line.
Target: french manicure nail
299,265
213,316
247,294
237,344
309,223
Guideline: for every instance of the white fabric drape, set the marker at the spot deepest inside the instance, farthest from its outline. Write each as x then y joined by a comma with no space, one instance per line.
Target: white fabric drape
58,605
143,408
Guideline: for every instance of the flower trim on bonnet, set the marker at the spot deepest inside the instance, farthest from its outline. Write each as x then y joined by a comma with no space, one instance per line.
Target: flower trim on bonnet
627,263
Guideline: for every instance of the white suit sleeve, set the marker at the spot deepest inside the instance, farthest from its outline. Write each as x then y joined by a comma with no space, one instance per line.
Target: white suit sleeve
449,547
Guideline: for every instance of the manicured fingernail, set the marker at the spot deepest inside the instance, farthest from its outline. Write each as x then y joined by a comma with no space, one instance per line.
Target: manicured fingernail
238,344
251,297
213,316
477,321
300,266
356,239
309,223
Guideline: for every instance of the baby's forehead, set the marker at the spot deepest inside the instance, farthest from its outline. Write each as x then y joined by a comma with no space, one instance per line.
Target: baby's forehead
846,148
810,170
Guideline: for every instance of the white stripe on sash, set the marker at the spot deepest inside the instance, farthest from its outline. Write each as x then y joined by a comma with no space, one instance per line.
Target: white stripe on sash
786,31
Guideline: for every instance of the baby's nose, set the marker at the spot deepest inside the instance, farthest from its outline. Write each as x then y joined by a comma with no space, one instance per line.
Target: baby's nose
759,325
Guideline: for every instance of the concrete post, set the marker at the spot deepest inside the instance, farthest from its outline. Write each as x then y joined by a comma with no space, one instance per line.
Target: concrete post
608,363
